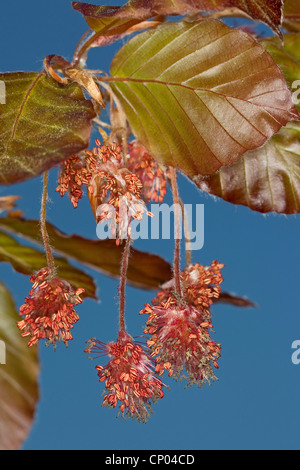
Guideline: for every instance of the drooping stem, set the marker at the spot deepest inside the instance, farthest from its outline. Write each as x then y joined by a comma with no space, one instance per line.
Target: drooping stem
118,119
86,42
49,255
84,36
83,48
177,209
227,13
187,236
123,276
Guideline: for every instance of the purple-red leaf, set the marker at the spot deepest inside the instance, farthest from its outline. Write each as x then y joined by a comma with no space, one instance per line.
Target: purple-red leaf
232,299
267,179
19,388
198,95
116,20
28,260
145,270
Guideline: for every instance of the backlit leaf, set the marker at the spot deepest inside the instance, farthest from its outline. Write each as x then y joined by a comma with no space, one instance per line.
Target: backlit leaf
116,20
27,260
232,299
267,179
19,390
145,270
8,203
286,55
41,124
292,9
291,19
199,95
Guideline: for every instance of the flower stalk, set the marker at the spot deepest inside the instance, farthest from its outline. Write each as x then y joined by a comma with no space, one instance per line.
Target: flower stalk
45,236
123,276
176,199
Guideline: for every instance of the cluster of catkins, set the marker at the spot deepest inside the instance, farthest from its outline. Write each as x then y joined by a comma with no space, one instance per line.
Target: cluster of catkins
177,328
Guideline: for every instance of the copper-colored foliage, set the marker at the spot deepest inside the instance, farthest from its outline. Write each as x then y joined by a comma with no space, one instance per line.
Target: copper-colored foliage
7,203
115,20
266,180
19,391
34,138
205,94
145,270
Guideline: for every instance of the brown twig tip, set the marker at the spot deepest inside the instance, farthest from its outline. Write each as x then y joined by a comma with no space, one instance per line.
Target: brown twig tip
123,277
176,200
54,61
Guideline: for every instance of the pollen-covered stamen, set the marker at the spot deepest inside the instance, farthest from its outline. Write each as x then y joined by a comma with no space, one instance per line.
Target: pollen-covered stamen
48,312
73,174
128,376
116,189
179,327
181,341
200,286
153,178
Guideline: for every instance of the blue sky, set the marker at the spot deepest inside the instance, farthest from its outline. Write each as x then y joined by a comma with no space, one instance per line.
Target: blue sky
255,403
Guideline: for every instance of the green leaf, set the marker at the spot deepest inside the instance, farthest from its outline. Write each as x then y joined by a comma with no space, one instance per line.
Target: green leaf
199,95
145,270
42,123
292,9
286,55
19,390
116,20
291,18
27,260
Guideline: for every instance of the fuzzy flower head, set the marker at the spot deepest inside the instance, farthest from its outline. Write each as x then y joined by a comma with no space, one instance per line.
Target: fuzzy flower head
200,286
180,340
179,327
128,376
116,189
48,312
152,176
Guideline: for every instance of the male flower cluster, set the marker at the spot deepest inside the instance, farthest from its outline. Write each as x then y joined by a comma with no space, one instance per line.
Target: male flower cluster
72,175
179,326
119,185
48,311
128,376
116,189
152,176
